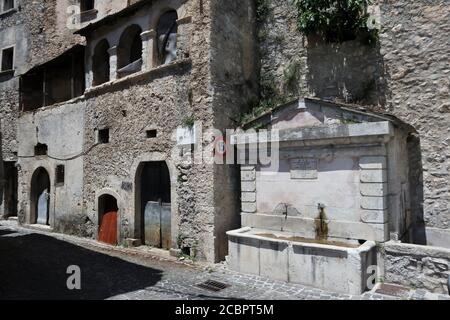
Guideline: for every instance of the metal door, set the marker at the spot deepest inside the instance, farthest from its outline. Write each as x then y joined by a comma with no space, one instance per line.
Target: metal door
152,217
166,237
108,228
157,224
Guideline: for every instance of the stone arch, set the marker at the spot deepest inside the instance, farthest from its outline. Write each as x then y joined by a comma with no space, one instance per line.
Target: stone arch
129,51
100,63
166,35
99,207
136,169
40,197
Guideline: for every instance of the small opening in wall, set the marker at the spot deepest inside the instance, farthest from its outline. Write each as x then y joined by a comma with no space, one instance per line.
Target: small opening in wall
8,5
60,174
103,136
7,59
361,241
186,251
152,134
40,149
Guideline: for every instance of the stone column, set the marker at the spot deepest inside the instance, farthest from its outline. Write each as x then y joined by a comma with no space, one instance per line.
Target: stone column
183,33
374,194
148,49
112,63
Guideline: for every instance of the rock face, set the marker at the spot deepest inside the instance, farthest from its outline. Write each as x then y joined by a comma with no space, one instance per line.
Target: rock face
417,266
405,74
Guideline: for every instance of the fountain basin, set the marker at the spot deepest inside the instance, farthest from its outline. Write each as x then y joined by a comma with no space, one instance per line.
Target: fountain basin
335,266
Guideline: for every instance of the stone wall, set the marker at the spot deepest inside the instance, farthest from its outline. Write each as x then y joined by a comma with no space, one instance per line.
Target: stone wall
415,49
162,98
234,78
417,266
295,65
405,74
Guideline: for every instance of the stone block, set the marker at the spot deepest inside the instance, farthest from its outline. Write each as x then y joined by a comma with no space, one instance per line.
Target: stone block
374,189
379,176
374,216
248,207
248,197
300,226
373,162
268,222
132,242
358,230
248,175
248,186
244,254
374,203
248,168
273,259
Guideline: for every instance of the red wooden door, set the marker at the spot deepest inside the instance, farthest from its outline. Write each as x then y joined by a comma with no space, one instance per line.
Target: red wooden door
108,228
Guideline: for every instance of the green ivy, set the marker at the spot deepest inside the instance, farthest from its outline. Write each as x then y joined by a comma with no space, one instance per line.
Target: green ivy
335,20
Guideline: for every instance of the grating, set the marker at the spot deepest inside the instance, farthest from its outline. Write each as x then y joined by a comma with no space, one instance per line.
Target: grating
212,285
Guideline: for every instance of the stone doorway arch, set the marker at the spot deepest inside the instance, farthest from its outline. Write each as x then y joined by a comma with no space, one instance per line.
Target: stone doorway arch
40,197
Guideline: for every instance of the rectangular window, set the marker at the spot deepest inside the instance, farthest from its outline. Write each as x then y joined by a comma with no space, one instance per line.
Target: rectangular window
60,174
152,134
103,136
86,5
40,149
7,59
8,5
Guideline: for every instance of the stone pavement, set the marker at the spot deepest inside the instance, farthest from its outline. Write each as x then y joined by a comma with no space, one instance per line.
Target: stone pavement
34,264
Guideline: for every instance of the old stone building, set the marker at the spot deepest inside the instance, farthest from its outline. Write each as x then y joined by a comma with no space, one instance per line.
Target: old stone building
89,110
102,103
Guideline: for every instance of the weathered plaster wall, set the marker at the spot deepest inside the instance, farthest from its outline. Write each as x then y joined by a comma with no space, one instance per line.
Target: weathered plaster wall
416,266
62,130
406,74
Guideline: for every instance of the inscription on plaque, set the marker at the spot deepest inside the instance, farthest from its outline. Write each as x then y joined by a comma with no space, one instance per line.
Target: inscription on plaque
304,168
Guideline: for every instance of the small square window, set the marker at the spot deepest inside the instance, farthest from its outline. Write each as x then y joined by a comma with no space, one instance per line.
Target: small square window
152,133
8,5
60,174
103,136
86,5
7,59
40,149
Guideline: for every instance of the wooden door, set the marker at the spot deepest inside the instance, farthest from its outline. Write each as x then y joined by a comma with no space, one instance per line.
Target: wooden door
108,228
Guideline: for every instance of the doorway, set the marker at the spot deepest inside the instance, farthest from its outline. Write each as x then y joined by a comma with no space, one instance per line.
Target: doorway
40,197
108,214
10,190
154,204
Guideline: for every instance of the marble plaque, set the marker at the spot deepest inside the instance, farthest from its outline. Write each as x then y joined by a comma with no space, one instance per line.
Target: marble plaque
304,168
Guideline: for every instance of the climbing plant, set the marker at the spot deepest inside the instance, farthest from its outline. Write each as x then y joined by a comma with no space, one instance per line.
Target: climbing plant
335,20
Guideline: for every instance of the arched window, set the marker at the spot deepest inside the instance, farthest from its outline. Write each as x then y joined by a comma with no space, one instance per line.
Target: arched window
167,37
129,51
100,63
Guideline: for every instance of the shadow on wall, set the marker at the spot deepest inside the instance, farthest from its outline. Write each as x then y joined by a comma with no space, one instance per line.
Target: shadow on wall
417,232
351,71
34,267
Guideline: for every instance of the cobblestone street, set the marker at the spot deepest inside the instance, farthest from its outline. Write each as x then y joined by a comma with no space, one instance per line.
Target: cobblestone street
34,263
